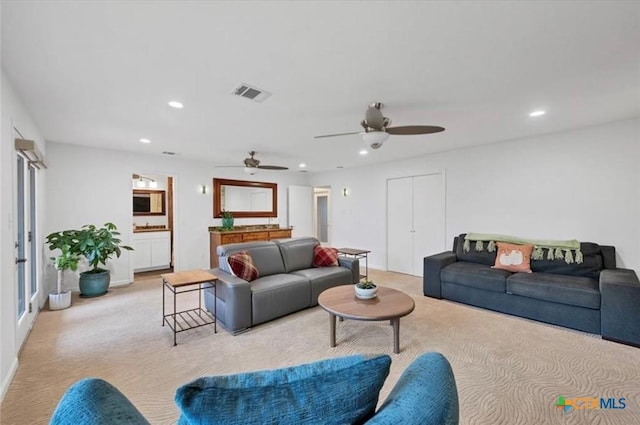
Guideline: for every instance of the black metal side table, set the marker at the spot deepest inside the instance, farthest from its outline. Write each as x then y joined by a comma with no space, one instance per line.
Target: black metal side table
357,254
180,321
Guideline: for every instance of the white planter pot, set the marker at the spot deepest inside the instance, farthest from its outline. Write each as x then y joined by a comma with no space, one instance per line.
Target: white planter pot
59,301
366,294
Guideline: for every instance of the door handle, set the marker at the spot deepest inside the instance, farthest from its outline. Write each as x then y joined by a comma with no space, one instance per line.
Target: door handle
21,260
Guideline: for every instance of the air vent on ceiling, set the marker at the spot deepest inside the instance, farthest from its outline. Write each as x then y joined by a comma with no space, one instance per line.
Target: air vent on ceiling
251,92
168,153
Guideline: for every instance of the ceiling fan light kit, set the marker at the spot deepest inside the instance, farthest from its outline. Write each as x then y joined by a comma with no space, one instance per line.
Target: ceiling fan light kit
375,139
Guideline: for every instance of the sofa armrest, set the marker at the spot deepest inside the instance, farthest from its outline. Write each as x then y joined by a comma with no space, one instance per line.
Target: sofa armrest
619,301
425,394
234,301
432,265
93,401
353,264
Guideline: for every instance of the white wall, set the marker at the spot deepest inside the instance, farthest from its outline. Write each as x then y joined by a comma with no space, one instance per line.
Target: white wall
88,185
13,114
582,184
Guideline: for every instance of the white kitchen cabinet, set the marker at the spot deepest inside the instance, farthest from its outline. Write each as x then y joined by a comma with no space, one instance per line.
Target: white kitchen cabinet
152,250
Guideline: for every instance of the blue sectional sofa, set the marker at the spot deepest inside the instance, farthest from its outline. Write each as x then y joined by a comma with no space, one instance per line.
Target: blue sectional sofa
593,296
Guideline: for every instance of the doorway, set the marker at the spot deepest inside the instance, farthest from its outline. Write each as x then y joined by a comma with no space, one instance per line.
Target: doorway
321,214
153,224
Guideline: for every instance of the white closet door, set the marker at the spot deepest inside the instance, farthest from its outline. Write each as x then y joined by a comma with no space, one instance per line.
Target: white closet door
399,225
301,210
428,218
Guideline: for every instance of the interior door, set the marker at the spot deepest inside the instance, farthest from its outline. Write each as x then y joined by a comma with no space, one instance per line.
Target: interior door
428,218
300,205
399,225
415,221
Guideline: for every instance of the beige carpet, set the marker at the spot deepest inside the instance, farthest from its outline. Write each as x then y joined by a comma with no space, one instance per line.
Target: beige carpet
508,370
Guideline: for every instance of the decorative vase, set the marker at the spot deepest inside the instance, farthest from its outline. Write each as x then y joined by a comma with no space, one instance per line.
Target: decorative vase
94,284
59,301
227,223
366,294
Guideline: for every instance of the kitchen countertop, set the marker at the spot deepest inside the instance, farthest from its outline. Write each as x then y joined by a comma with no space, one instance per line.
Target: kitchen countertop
248,229
150,230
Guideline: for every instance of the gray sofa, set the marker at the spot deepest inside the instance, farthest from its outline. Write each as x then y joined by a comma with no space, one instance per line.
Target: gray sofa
594,296
288,282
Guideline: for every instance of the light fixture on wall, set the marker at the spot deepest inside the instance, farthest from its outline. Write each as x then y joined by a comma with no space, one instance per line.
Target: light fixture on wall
345,191
203,189
142,181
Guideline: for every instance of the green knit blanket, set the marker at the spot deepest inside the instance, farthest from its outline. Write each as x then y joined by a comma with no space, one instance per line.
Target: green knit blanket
567,250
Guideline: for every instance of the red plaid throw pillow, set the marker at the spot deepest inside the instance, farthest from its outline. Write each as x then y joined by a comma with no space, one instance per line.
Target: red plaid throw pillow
325,257
242,266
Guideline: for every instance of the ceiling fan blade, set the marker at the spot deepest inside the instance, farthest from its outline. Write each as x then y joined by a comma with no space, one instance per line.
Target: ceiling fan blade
408,130
272,167
337,134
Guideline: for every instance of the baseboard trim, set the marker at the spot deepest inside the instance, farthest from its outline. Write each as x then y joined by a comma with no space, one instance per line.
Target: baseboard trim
619,341
7,381
120,282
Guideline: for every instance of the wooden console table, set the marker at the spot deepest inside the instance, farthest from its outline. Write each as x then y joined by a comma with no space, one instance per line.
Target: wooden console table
251,234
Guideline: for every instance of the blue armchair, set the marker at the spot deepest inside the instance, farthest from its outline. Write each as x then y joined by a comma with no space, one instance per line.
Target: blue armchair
425,394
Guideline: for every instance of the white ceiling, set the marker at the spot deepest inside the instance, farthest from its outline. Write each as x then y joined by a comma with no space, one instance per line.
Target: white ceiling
101,73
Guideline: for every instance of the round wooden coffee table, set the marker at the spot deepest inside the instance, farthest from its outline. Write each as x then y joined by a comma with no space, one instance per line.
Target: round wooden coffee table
390,304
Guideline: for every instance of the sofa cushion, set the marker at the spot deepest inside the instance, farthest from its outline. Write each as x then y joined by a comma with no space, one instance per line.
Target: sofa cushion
297,253
473,256
319,392
514,258
277,295
590,267
242,266
325,256
323,278
571,290
266,256
475,275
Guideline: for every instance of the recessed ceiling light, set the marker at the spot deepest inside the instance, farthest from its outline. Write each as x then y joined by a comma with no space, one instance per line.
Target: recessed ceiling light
537,113
302,165
175,104
363,152
145,141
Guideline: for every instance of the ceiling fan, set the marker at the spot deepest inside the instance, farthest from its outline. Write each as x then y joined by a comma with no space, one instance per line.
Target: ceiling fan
252,165
377,130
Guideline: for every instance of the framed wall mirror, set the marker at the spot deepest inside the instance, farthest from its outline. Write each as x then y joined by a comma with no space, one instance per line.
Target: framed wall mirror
245,198
148,202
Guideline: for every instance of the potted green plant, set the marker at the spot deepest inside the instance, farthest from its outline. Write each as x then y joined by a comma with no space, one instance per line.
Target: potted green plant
66,260
97,245
227,220
366,289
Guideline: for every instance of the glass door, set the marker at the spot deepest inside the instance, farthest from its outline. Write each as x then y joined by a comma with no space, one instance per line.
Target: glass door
26,275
